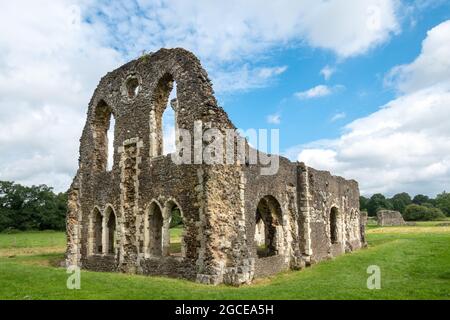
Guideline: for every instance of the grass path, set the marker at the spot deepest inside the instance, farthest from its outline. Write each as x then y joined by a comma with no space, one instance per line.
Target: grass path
414,264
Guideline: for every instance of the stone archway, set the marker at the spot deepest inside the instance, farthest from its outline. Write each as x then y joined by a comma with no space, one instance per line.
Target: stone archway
268,219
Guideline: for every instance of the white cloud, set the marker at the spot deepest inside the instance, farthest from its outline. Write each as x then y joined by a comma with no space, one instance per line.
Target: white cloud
327,72
251,26
405,146
338,116
431,67
316,92
274,118
245,78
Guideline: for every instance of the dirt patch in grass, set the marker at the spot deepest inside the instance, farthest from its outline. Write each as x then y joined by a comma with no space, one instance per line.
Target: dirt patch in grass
410,229
16,252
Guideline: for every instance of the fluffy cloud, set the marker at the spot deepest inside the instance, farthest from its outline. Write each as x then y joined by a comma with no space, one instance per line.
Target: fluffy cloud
230,29
327,72
318,92
431,67
244,78
274,118
405,146
338,116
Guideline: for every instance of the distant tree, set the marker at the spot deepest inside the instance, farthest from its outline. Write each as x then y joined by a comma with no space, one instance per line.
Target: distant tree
176,218
400,201
378,202
415,212
363,203
31,208
443,202
421,199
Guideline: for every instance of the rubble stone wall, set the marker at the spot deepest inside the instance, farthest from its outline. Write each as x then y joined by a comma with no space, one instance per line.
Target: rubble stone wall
390,218
118,219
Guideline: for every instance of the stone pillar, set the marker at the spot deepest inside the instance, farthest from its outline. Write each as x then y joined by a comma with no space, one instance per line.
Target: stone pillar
304,199
129,200
74,225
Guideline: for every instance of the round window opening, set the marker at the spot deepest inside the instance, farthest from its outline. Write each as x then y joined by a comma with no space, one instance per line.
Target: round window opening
132,87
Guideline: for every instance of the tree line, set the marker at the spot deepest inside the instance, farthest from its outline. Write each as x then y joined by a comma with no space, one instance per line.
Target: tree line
31,208
420,207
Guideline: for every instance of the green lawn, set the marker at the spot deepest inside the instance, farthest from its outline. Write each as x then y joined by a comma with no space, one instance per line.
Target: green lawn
414,262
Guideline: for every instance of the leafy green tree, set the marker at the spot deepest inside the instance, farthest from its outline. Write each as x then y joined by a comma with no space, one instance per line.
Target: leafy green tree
415,212
400,201
421,199
378,202
31,208
443,202
363,203
176,218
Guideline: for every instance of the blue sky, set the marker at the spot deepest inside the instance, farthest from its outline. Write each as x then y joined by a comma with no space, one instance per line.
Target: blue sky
359,88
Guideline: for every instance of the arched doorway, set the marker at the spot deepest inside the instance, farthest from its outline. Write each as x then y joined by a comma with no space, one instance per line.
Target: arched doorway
268,227
334,235
174,242
110,231
96,229
155,230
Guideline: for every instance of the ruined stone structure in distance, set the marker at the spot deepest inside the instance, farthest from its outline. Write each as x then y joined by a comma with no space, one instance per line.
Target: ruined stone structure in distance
237,224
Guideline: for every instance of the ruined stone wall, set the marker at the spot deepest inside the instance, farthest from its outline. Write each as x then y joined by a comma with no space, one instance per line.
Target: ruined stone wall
334,217
116,217
390,218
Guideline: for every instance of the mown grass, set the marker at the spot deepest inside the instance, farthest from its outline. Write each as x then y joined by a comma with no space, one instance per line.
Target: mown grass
414,262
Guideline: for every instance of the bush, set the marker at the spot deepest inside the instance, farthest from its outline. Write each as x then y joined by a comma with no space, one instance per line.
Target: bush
415,212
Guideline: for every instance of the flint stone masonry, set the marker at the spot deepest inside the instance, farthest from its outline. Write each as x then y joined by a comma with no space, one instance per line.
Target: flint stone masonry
390,218
237,224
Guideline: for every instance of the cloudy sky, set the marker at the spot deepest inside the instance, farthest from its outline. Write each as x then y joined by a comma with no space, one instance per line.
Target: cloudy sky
358,87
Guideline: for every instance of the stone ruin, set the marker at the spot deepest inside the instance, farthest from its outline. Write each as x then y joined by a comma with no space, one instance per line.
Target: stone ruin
238,224
390,218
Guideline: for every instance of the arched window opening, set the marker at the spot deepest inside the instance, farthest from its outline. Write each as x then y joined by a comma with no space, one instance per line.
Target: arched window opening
97,225
104,132
133,87
260,233
267,227
110,137
163,118
333,225
175,245
155,230
111,235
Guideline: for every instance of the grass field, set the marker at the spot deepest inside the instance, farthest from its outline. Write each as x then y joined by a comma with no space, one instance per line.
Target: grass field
414,262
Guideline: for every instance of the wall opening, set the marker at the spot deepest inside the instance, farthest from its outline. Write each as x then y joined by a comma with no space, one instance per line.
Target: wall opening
333,225
269,217
260,232
155,230
133,87
176,228
97,224
104,133
163,118
110,137
111,236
